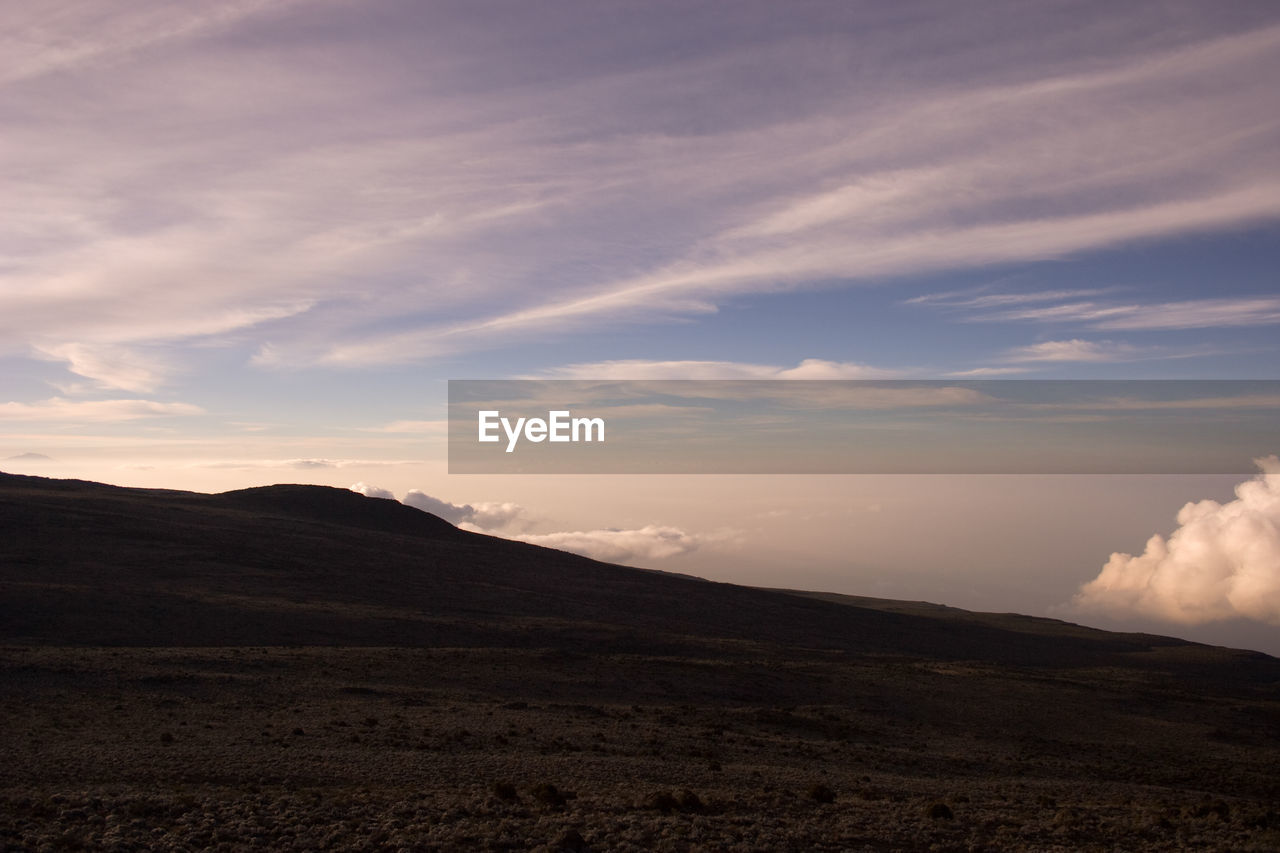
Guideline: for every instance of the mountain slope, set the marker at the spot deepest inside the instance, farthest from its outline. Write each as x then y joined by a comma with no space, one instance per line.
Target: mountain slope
89,564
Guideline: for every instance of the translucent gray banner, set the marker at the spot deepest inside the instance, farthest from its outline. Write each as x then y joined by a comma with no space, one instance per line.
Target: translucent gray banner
862,427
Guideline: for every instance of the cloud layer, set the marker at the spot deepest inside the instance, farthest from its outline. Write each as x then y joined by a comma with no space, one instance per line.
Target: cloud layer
261,222
1223,562
631,369
486,516
651,542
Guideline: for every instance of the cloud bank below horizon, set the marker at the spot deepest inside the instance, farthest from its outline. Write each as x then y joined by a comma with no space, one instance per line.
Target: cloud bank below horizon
506,519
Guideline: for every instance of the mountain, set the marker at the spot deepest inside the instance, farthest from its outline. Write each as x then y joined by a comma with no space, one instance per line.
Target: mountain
91,564
300,667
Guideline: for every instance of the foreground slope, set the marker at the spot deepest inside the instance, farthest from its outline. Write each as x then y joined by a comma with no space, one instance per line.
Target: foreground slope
88,564
297,667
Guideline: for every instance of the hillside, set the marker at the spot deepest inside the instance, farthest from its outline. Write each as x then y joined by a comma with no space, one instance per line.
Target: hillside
304,667
90,564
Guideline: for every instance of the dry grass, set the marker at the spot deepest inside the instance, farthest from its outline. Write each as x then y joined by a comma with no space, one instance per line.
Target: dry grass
262,752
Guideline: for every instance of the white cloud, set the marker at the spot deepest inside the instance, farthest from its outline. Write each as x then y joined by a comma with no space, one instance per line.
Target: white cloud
983,298
982,372
1226,312
372,491
1075,350
651,542
302,464
439,426
59,409
1223,562
110,366
450,512
486,516
1198,314
630,369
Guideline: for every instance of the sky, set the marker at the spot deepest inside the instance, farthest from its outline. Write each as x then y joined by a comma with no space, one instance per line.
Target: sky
250,242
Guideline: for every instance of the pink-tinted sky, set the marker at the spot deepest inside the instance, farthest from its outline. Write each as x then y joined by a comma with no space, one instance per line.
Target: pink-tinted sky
248,242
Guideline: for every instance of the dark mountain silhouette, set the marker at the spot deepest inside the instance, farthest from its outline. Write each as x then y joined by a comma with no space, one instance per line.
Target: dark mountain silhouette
90,564
300,667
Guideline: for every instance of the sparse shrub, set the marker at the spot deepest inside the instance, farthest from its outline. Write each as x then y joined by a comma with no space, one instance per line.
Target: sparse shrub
505,791
820,793
571,841
662,801
690,802
1211,808
166,738
1067,816
549,795
939,811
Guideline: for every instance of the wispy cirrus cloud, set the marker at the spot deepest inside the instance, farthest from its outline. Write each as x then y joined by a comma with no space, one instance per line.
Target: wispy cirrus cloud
62,410
1076,350
577,188
1109,315
434,427
809,368
983,298
300,464
111,366
64,39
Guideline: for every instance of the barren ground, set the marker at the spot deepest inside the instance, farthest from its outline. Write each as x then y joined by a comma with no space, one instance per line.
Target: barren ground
499,749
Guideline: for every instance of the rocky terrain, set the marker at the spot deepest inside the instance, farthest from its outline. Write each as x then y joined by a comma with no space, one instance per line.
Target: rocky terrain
305,668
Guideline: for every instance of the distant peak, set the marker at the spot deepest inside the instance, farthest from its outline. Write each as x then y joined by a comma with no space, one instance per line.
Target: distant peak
337,506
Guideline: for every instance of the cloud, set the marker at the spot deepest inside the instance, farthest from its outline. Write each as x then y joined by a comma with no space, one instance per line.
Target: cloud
651,542
1226,312
1223,562
110,366
485,516
983,298
153,216
982,372
59,409
1078,350
1197,314
450,512
632,369
437,426
372,491
66,41
304,464
1075,350
925,186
